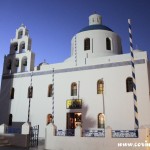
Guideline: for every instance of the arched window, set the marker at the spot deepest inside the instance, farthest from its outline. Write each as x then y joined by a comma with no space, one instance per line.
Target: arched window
30,91
108,44
12,92
20,34
24,61
49,119
50,87
87,44
15,46
9,64
22,47
101,120
129,84
17,62
24,64
100,87
74,89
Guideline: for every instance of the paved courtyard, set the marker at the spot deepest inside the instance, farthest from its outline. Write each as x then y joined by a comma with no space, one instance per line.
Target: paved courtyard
18,148
39,147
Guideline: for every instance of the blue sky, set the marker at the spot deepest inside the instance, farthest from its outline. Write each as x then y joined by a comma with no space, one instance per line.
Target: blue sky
52,24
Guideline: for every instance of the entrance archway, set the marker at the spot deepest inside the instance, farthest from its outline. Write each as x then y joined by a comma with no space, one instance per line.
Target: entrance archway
73,120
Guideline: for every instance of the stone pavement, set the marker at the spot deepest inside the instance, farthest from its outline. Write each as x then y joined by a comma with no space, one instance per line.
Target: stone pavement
39,147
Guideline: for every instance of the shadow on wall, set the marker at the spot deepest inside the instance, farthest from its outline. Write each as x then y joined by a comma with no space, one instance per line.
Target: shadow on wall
87,121
79,116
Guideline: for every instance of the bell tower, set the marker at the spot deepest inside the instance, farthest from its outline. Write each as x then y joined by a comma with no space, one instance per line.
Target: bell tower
20,57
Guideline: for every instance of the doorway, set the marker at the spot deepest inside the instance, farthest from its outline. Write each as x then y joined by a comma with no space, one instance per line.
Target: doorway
73,120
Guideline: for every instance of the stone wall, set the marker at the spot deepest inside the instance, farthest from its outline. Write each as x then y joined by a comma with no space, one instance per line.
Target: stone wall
77,142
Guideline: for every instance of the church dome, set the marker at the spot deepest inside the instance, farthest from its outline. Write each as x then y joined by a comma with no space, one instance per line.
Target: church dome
96,27
95,40
43,63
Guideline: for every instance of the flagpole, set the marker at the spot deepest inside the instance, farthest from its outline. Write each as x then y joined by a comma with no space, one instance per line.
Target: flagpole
30,92
53,95
136,122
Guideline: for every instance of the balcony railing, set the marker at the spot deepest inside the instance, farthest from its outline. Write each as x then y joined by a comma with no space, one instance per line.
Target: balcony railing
125,133
67,132
13,130
94,133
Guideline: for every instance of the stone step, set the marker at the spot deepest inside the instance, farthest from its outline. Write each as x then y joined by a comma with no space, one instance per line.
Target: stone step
4,141
4,145
1,138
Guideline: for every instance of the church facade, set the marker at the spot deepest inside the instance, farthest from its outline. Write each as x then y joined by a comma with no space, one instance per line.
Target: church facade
92,88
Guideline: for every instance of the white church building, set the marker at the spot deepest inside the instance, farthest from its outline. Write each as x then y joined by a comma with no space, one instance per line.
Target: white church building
92,88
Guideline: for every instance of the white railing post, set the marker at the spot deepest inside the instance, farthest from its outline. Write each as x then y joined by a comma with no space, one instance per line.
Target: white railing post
3,128
78,131
25,128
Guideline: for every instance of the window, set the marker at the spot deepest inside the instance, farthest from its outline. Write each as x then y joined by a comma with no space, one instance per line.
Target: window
9,64
129,84
49,119
25,62
17,62
50,87
20,34
74,89
100,87
108,44
101,120
15,46
87,44
22,47
12,92
30,92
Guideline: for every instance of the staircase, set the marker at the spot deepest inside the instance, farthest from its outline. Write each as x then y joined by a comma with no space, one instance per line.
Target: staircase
4,141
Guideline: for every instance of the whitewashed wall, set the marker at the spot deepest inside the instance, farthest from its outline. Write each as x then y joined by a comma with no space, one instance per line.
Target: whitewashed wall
119,108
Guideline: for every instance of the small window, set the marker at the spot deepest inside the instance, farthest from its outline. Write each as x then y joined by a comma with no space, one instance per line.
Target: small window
16,47
129,84
12,92
22,47
17,62
108,44
87,44
101,120
25,62
30,92
9,64
74,89
20,34
49,119
100,87
50,88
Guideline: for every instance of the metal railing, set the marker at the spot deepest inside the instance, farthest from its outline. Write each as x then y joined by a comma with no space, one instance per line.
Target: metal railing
34,134
100,133
66,132
13,130
124,133
94,133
